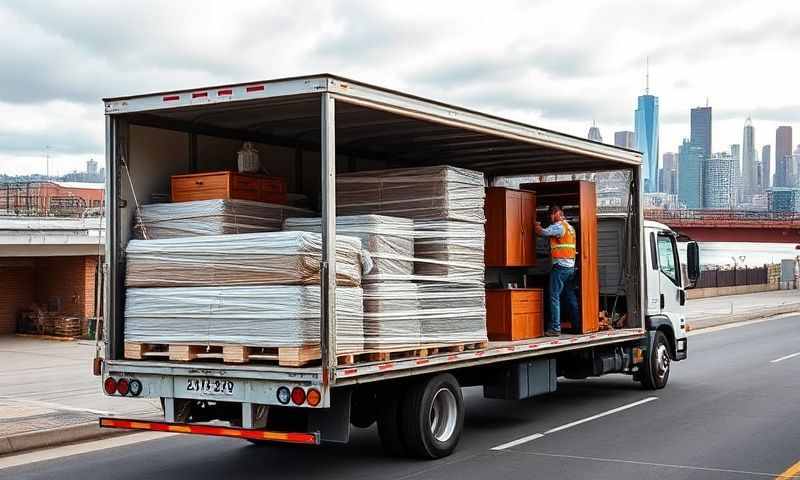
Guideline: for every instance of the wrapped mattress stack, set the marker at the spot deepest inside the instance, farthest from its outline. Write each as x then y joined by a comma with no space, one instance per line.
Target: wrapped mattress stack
391,308
256,289
446,205
211,217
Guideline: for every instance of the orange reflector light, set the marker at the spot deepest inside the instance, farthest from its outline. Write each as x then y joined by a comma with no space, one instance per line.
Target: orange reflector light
289,437
313,397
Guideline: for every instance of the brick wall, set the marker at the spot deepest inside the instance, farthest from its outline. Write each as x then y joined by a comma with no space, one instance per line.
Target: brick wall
16,291
62,283
70,279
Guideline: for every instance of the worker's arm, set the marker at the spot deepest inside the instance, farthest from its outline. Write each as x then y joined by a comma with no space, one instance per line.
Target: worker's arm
554,230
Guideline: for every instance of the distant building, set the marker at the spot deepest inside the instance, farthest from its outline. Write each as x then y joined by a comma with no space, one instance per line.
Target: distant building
668,175
91,167
766,171
736,155
690,175
50,198
749,175
783,149
646,131
719,190
594,133
700,120
784,199
625,139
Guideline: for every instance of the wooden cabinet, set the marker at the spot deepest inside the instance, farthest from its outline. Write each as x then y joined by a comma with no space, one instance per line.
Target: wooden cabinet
514,314
510,218
228,185
578,199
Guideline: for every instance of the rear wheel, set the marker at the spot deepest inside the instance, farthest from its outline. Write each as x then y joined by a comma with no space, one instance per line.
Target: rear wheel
432,417
659,360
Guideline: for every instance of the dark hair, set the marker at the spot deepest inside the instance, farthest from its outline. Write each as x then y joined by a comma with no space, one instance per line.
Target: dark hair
553,209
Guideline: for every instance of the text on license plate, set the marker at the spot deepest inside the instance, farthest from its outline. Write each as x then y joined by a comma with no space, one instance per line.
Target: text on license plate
209,386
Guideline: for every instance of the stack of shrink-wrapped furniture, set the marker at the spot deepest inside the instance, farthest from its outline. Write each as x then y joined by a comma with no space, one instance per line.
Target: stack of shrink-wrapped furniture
442,300
198,286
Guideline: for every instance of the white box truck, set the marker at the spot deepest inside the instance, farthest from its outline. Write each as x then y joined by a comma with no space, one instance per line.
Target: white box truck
311,128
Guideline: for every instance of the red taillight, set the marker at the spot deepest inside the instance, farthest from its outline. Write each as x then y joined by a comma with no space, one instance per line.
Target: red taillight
298,395
122,386
313,397
110,386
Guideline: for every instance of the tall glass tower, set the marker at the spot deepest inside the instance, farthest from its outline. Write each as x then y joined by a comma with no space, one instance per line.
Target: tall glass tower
646,131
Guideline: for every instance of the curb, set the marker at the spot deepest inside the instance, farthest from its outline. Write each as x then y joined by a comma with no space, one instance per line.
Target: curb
709,322
55,436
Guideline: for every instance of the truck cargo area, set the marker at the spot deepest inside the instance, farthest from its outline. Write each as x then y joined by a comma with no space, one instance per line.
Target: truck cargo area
308,132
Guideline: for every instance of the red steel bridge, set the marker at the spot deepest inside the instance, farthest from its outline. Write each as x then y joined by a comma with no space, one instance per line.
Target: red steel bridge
731,225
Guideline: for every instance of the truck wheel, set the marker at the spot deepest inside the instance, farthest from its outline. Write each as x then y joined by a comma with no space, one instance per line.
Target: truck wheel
433,417
389,421
659,360
363,408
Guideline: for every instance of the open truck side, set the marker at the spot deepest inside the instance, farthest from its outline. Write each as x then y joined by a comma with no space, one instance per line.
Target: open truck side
311,128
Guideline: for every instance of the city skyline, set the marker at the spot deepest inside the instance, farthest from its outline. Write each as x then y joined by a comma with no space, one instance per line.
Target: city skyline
524,66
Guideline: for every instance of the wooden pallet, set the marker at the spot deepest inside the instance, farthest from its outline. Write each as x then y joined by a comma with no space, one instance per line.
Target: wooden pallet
283,356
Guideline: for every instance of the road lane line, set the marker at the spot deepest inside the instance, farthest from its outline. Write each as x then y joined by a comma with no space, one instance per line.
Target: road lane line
518,441
534,436
787,357
600,415
791,472
650,464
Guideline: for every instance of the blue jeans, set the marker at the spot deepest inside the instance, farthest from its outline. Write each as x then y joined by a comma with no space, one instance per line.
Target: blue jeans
562,285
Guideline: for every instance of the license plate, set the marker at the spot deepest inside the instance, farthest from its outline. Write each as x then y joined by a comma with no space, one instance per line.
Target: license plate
210,386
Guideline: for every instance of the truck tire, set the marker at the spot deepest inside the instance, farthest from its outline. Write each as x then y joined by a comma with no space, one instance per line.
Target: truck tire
432,417
363,408
389,421
655,371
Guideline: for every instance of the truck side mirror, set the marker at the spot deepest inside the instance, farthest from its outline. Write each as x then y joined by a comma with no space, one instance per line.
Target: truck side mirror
692,262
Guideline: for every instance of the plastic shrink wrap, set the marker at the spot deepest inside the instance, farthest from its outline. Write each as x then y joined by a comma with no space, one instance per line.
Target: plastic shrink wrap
424,193
211,217
257,316
274,258
389,240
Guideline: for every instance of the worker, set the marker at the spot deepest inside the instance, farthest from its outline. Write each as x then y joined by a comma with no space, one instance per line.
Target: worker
562,273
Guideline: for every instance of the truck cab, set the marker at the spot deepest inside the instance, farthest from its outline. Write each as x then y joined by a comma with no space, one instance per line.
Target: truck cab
666,283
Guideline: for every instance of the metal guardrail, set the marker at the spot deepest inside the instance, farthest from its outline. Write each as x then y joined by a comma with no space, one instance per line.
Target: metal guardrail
724,215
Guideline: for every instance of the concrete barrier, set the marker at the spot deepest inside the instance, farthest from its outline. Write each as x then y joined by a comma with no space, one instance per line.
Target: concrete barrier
695,293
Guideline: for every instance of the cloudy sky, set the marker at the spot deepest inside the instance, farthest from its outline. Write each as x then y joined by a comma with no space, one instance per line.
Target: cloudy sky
558,65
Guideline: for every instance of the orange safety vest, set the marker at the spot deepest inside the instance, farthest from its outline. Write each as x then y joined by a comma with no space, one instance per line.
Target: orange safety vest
563,246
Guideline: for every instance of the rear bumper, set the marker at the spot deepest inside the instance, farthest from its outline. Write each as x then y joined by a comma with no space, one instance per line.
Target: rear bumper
218,431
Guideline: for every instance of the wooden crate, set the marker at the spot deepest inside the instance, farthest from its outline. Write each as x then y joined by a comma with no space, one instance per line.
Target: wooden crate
228,185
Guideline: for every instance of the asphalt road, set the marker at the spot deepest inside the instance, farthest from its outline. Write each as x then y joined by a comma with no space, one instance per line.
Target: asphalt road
729,412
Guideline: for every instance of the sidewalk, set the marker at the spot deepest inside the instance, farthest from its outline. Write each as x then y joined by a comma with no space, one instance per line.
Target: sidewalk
713,311
48,394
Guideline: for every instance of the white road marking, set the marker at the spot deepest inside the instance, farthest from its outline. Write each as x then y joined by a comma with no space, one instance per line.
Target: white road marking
653,464
787,357
518,441
79,448
529,438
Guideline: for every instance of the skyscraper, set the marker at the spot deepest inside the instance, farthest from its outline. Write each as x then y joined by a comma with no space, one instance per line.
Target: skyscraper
594,133
749,174
718,187
668,176
690,174
625,139
766,171
783,149
700,124
646,131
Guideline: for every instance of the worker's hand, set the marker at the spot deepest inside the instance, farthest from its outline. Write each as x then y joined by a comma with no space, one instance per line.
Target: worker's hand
538,228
